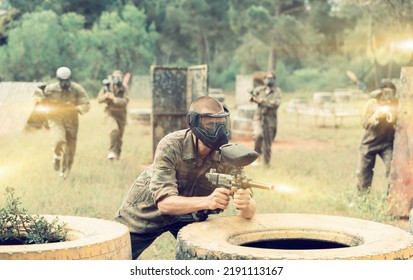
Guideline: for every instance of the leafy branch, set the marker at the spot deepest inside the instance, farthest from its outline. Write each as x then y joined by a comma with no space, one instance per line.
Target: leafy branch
17,226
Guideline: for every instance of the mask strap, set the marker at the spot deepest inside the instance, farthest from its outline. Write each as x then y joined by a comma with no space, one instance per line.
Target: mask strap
196,150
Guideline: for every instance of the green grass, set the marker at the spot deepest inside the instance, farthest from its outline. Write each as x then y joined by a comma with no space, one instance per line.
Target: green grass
317,164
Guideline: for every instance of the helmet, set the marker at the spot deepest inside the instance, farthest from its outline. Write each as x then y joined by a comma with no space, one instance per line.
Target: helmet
117,73
387,84
212,129
63,73
388,91
117,77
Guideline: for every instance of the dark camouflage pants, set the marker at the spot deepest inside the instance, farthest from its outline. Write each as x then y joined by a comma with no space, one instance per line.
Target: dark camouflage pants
141,241
263,138
64,133
366,163
116,125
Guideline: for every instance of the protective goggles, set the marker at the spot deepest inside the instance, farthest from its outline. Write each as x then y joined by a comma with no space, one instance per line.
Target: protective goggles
388,93
211,123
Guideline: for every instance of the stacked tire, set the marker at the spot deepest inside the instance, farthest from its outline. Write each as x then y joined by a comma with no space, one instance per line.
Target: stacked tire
242,123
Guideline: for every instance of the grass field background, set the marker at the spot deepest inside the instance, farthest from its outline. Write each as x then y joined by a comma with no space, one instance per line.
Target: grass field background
312,166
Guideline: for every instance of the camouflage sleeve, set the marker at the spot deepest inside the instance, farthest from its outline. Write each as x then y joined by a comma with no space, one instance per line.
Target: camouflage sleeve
38,95
122,101
367,117
273,100
164,183
101,95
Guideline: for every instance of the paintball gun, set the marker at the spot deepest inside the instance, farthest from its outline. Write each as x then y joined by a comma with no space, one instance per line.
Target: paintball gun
106,83
238,156
108,91
238,180
385,111
252,93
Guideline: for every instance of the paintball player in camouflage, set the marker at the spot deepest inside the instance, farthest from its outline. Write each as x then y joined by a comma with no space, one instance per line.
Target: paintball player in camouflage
65,101
164,197
268,99
115,95
378,119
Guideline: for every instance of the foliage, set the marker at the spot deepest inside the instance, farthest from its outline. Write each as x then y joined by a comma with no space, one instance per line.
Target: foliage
16,225
121,41
118,40
313,79
27,47
89,9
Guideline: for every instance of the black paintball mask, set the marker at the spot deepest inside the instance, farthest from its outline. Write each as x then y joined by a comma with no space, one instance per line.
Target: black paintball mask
387,95
117,80
64,83
212,129
388,91
269,81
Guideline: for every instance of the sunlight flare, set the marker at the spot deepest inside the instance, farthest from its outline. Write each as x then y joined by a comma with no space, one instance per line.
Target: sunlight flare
405,45
282,188
4,170
42,109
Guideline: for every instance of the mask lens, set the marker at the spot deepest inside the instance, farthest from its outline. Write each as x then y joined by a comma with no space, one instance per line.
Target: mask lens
64,84
117,80
269,81
211,124
388,94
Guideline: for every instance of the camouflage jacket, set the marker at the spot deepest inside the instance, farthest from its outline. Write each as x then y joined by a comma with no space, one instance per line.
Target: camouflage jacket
174,171
378,133
120,102
266,111
62,102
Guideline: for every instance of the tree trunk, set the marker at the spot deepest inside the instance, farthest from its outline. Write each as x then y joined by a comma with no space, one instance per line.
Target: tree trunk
401,175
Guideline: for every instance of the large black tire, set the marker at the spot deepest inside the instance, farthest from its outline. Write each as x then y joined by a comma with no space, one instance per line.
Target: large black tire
88,239
221,238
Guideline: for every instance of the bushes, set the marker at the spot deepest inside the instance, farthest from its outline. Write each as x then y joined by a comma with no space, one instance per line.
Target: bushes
18,227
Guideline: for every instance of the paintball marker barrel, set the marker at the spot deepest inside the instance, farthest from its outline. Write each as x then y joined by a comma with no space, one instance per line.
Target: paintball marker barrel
248,183
252,93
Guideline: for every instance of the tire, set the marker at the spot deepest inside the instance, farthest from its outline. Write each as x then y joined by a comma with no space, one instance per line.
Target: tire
141,115
87,239
225,238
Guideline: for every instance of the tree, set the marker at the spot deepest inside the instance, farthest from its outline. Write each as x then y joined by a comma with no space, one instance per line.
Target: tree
33,53
43,41
196,30
278,26
90,9
383,25
122,41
